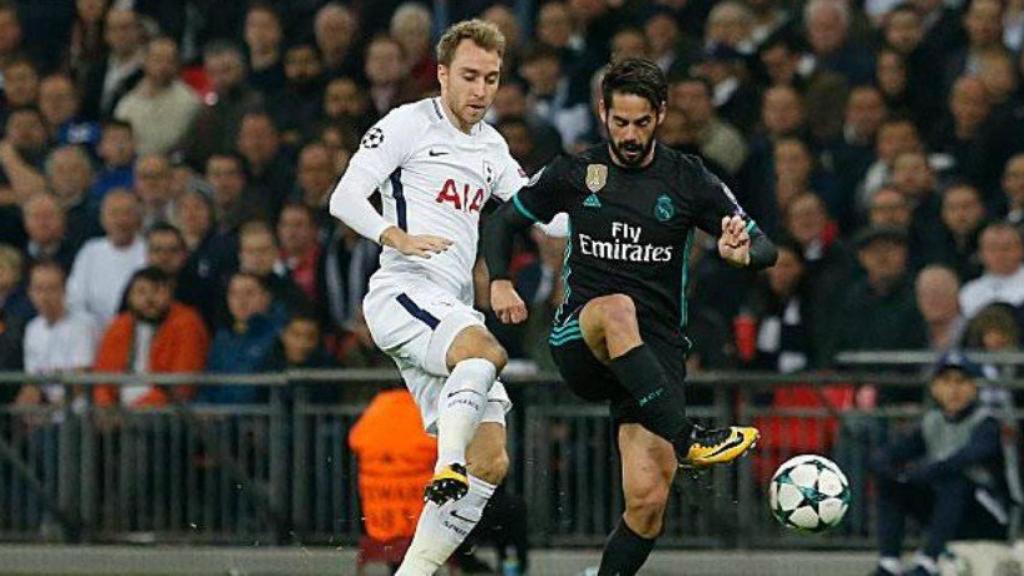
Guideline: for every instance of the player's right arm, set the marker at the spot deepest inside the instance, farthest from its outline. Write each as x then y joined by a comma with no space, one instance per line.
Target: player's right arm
384,147
536,203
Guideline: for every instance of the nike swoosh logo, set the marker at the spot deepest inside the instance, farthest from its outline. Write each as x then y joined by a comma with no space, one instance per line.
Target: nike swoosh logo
463,518
728,446
437,152
457,392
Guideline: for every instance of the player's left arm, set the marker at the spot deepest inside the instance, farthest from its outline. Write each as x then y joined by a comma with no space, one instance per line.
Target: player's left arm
740,241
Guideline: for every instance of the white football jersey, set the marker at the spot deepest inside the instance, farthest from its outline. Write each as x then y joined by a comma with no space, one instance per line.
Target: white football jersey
434,179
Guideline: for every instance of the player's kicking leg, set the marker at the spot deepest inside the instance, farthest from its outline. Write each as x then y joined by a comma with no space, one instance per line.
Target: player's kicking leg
648,467
610,329
472,459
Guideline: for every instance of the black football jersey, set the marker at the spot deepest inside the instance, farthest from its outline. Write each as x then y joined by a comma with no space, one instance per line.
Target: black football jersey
630,229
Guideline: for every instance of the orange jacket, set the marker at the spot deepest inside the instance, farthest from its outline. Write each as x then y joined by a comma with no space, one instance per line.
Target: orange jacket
396,461
180,344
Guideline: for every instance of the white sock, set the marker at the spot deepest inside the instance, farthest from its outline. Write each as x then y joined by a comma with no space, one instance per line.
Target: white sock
441,529
460,407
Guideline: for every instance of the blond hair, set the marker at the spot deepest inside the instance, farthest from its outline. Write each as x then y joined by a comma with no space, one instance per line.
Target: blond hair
483,34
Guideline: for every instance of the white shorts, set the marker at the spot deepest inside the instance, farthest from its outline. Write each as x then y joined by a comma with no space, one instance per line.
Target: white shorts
415,323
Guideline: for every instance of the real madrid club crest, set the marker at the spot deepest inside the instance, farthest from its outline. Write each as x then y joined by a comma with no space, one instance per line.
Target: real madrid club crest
597,177
664,210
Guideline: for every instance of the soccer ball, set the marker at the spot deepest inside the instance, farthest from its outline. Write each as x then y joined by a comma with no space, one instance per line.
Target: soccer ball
809,493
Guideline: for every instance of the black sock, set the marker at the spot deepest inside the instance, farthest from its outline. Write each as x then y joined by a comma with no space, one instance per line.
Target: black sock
662,403
625,552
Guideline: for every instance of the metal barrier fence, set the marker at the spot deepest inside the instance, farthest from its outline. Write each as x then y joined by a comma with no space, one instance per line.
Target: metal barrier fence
280,471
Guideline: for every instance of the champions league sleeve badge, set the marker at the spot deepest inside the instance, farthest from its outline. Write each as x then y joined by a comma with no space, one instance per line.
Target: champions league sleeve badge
597,177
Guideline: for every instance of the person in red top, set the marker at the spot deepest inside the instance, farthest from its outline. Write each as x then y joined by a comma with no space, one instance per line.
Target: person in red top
154,334
297,236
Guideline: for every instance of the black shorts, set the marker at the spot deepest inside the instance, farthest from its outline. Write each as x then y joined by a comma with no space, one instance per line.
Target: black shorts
594,381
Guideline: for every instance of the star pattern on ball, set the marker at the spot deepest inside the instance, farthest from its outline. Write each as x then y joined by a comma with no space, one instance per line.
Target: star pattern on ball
809,494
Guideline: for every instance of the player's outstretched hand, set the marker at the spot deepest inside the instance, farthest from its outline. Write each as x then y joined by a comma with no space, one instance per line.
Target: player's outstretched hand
506,303
734,243
424,245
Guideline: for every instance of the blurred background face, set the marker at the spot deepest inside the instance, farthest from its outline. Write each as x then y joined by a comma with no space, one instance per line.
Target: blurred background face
316,174
117,146
153,179
806,218
662,33
166,251
784,277
779,64
227,180
694,100
792,161
953,391
70,174
998,76
470,84
120,217
983,23
903,31
1001,251
122,32
21,84
782,111
631,122
44,220
912,175
865,112
889,208
258,139
192,215
46,291
257,253
302,66
554,25
384,62
896,138
246,298
57,100
300,338
826,29
412,29
885,261
149,300
891,73
969,103
937,291
962,210
629,43
342,98
296,231
161,64
1013,180
26,131
226,70
262,31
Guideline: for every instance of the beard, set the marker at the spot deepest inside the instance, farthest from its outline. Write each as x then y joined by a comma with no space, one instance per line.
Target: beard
637,151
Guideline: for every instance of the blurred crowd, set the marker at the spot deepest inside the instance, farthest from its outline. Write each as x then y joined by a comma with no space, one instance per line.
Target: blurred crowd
165,169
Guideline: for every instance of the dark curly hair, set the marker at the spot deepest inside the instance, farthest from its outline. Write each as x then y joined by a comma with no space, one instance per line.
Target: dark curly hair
637,76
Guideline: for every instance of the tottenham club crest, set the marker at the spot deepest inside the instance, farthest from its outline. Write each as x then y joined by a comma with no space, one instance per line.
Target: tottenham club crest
373,138
597,177
664,210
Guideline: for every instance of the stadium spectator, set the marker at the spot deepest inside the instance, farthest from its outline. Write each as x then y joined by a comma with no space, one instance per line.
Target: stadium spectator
315,180
57,339
1002,256
46,225
853,153
271,176
347,105
11,355
889,207
717,139
937,290
735,100
241,346
120,70
410,25
828,34
299,346
10,32
116,150
86,46
510,102
1013,189
878,311
22,152
216,125
154,335
260,255
300,251
59,103
263,34
549,97
70,177
984,28
629,42
343,278
965,133
193,215
894,137
153,186
14,302
949,473
995,329
337,36
103,266
21,83
161,108
386,71
782,308
298,105
956,242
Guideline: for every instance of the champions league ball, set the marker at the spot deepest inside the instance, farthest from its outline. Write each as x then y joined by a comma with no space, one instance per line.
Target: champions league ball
809,493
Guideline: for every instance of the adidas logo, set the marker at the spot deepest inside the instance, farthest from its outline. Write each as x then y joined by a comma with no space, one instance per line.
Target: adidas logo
592,201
